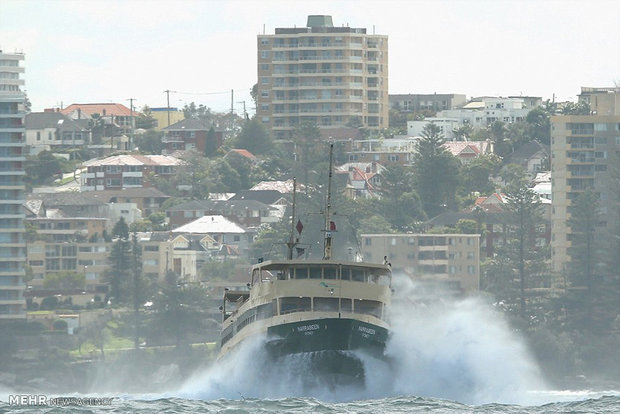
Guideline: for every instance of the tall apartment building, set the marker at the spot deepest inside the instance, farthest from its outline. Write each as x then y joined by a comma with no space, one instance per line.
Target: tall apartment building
12,144
445,261
585,152
330,76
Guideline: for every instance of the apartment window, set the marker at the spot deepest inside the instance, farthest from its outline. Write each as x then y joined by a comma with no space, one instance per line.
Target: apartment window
264,41
264,54
264,80
38,136
368,242
151,248
471,270
265,119
264,94
264,107
264,66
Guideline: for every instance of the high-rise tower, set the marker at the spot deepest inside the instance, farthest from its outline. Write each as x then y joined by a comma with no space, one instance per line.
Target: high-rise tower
12,144
330,76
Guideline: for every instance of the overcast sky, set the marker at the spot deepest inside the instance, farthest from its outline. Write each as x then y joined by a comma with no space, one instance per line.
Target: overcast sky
110,51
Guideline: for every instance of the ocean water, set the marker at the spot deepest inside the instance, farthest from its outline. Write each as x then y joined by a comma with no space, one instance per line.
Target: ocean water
582,402
443,357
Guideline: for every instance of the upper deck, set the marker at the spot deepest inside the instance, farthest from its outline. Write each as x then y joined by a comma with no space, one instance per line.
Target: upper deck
328,270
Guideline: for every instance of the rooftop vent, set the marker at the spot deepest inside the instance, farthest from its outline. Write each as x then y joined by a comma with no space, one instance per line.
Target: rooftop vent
320,21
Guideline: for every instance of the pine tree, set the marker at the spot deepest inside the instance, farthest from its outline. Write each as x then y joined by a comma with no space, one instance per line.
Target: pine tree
436,172
120,262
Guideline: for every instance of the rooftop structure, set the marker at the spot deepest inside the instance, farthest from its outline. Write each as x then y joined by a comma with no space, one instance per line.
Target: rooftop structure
321,74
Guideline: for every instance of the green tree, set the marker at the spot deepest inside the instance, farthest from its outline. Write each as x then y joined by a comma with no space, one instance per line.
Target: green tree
179,311
523,208
501,144
539,124
475,175
464,132
138,288
211,145
119,260
579,108
145,119
65,280
42,168
150,142
254,137
436,172
585,250
375,225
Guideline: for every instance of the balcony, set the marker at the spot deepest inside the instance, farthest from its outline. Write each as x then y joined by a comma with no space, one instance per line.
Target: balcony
132,174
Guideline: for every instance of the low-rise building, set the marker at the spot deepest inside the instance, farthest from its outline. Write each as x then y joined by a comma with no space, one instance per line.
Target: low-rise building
482,112
126,171
392,151
423,102
221,230
444,261
447,127
52,131
192,134
249,213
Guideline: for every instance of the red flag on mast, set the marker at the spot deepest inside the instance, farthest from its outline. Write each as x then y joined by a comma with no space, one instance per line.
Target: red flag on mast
299,226
332,226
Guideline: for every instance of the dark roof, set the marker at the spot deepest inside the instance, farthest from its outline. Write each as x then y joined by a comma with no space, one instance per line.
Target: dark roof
219,205
191,124
137,192
527,150
55,200
451,218
264,196
40,120
160,236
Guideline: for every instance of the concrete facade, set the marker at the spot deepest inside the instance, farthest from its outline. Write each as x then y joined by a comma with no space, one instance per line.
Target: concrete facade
326,75
448,261
585,152
12,146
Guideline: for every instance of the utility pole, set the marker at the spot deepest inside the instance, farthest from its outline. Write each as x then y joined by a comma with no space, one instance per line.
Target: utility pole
167,92
232,109
133,122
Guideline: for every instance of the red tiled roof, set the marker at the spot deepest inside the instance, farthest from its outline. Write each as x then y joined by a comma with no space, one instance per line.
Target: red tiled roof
98,108
244,153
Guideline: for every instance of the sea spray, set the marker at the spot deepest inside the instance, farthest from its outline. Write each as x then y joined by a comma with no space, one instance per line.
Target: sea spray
458,349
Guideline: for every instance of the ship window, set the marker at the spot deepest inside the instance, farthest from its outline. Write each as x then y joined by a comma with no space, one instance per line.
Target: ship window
345,274
290,305
368,307
301,273
346,305
358,275
326,304
315,273
330,272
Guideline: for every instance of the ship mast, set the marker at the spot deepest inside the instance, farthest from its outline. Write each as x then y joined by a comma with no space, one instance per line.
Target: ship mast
327,251
291,241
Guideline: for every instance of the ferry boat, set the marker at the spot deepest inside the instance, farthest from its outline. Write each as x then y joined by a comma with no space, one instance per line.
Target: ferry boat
326,310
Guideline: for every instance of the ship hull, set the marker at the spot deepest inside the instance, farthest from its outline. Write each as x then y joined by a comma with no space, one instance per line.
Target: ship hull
327,350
